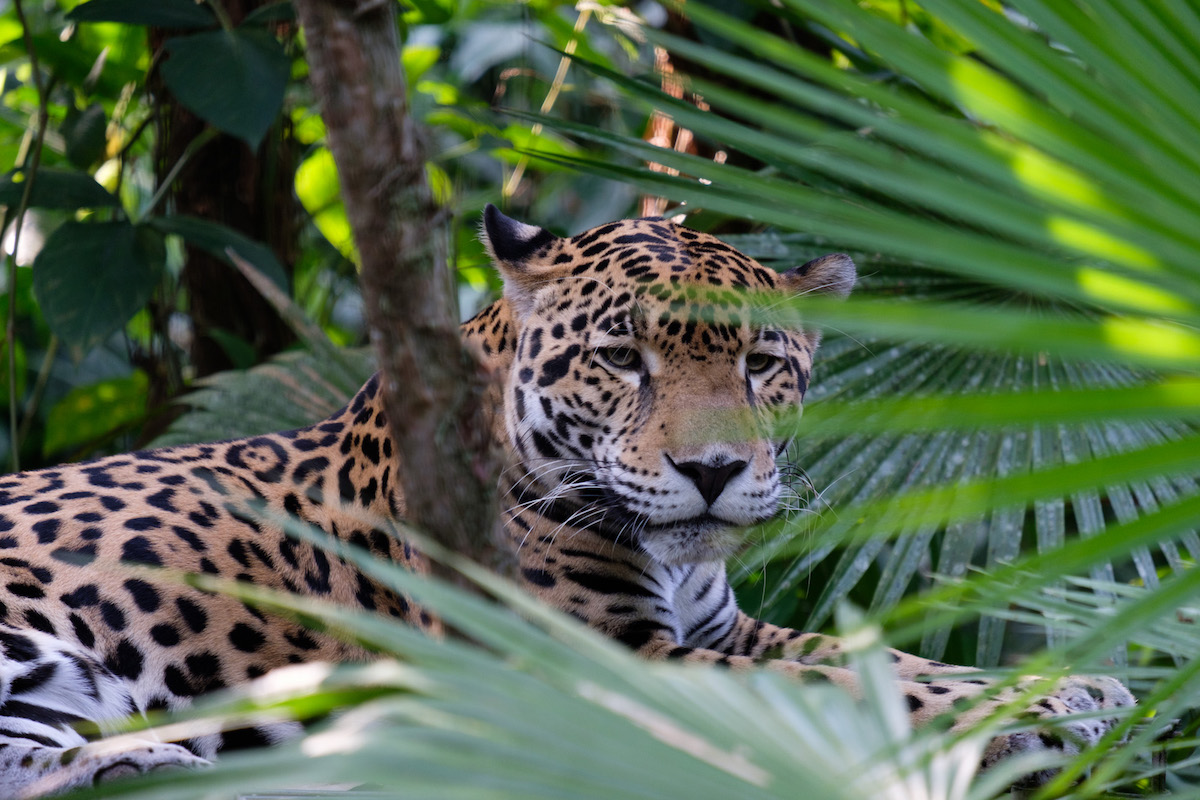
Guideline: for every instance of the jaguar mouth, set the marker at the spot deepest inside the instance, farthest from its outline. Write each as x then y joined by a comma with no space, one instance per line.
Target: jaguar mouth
701,524
701,537
690,541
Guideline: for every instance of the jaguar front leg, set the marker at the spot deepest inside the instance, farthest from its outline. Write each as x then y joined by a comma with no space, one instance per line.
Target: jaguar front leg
932,689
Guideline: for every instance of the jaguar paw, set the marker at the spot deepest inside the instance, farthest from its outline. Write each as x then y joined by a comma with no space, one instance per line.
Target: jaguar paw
100,762
1076,695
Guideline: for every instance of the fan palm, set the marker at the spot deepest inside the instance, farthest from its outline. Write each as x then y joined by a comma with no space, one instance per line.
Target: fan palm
1020,364
1004,416
1011,399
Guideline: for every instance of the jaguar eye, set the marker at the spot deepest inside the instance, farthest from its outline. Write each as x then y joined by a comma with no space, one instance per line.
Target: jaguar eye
758,363
621,357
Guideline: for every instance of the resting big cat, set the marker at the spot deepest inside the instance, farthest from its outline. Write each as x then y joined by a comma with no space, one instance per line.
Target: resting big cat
636,391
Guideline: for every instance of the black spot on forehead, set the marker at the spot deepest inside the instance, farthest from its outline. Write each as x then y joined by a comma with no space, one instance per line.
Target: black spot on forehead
665,309
650,251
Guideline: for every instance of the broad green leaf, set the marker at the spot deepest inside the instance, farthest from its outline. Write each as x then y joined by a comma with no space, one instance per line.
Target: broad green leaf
160,13
434,12
214,238
84,133
282,11
233,80
88,413
56,188
320,193
417,59
91,277
237,349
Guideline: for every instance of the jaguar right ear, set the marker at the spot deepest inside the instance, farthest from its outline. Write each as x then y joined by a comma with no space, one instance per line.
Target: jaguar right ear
523,254
833,274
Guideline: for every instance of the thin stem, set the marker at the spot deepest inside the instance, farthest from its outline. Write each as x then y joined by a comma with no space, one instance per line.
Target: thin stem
560,78
34,161
33,61
39,389
134,136
222,15
203,138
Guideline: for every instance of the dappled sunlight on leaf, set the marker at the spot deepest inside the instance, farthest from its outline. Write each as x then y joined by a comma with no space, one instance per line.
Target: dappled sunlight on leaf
1096,241
1047,177
985,94
1151,340
1109,288
318,189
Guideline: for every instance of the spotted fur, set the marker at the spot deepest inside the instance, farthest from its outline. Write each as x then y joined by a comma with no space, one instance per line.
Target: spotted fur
635,393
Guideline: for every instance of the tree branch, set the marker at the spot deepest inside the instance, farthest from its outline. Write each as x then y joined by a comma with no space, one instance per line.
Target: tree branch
432,387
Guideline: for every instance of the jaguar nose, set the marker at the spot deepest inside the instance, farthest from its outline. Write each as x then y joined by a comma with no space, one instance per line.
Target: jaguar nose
710,480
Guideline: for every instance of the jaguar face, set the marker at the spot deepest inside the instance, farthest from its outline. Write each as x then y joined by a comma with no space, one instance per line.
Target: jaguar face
640,393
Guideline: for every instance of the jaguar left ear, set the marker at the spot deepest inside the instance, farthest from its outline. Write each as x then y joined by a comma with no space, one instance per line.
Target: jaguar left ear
521,253
510,241
832,274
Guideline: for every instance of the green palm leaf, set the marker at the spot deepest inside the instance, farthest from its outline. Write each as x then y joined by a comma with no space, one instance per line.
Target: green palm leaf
1050,160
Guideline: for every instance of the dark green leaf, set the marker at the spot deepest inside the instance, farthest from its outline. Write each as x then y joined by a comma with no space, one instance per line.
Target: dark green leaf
240,352
433,12
91,277
63,189
233,80
275,12
160,13
214,238
84,133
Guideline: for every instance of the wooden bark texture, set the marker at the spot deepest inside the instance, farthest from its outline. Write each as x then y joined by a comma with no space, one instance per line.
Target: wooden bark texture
433,388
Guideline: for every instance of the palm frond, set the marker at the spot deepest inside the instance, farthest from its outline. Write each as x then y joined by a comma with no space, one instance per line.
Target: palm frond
1025,223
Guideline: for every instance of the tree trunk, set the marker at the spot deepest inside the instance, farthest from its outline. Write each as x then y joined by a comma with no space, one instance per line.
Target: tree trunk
432,387
227,182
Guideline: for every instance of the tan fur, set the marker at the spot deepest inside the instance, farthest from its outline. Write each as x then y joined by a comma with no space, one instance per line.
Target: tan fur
636,392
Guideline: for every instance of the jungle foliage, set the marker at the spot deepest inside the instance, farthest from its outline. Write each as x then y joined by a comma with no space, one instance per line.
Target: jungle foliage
999,452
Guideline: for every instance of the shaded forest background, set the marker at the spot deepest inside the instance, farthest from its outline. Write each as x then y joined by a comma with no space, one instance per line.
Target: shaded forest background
999,454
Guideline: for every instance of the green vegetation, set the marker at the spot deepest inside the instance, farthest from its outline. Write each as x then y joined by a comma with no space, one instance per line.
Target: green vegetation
1000,450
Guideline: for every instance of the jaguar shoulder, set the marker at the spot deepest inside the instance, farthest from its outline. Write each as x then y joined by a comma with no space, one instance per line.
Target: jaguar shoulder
634,394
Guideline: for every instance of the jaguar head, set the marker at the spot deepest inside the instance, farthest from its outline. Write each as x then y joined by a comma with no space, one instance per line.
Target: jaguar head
639,389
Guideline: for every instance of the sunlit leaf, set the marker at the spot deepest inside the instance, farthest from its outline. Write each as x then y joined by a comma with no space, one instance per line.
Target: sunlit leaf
319,191
88,413
55,188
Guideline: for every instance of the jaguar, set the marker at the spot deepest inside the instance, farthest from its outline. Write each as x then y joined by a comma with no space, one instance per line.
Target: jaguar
635,393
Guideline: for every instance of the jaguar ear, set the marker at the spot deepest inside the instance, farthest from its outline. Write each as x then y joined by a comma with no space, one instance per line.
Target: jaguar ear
522,255
832,274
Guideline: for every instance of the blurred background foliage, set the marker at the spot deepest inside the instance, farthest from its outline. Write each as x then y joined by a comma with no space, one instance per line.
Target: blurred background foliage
155,171
999,454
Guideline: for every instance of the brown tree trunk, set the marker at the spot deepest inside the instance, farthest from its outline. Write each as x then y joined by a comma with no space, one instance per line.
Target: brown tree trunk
432,386
227,182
